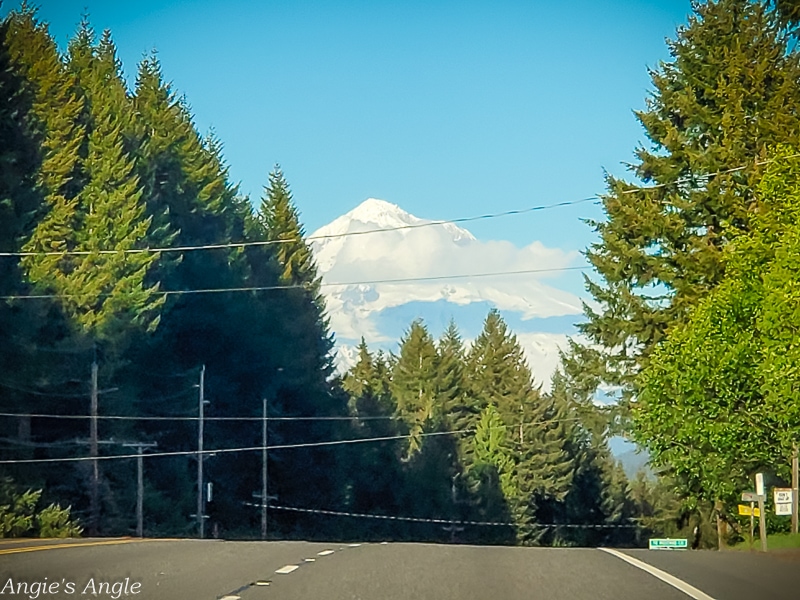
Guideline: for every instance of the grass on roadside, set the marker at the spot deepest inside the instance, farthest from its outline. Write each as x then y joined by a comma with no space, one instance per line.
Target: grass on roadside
775,541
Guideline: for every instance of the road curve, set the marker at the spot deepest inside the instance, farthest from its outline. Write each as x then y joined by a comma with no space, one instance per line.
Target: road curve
172,569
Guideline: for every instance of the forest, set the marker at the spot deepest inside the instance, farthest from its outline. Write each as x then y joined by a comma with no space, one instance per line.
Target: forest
146,305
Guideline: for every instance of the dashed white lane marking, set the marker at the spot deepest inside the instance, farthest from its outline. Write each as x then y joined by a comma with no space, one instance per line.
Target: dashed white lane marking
678,584
354,545
231,598
325,553
287,569
309,559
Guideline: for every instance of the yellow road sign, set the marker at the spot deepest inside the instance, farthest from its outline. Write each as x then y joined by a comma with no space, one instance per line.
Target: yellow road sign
745,510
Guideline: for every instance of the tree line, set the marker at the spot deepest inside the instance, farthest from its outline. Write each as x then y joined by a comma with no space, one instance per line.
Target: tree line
110,199
693,319
94,175
695,306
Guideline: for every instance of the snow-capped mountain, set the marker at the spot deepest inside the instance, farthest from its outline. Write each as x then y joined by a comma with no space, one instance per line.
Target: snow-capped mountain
419,266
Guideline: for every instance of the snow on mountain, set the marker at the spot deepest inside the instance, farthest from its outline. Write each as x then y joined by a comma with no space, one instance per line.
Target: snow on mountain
365,267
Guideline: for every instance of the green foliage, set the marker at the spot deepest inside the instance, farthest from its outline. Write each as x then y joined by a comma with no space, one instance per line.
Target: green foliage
93,167
104,292
728,92
719,400
21,517
413,383
281,222
493,451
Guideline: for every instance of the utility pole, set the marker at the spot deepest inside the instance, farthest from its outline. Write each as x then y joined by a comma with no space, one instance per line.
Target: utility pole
140,446
94,497
264,472
794,488
201,409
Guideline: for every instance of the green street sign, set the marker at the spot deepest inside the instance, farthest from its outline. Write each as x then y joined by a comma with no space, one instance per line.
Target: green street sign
668,544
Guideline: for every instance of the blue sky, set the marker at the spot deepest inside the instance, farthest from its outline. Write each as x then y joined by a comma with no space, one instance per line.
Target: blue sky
448,109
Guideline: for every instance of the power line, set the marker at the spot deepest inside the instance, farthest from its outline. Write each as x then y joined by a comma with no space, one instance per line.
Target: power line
515,212
303,286
231,450
233,245
689,179
187,418
260,448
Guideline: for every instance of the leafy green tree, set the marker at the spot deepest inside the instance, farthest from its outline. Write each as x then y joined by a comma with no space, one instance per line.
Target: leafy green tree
717,401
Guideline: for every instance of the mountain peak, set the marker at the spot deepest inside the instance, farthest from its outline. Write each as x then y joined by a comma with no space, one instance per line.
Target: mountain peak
381,213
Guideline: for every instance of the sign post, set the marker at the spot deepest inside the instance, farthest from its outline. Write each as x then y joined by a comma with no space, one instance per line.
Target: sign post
762,525
783,501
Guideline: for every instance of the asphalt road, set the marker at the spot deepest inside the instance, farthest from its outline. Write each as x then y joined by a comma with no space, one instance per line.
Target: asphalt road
170,569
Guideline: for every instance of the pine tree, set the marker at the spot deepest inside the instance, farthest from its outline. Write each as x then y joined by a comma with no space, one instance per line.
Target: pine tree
20,203
729,91
281,222
368,386
54,119
414,383
376,478
19,151
451,386
104,291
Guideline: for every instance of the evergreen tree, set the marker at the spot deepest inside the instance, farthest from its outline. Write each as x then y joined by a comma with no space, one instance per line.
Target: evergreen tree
39,172
281,223
377,481
729,91
20,202
500,377
413,383
104,287
451,386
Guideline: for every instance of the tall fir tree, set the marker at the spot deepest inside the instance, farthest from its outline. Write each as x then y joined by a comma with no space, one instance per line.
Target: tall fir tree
729,91
414,383
104,287
281,222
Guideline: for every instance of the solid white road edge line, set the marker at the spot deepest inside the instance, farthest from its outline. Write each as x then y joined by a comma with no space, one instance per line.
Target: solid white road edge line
678,584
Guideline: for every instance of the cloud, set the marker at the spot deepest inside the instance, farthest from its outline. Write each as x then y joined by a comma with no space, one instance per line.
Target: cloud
444,263
426,255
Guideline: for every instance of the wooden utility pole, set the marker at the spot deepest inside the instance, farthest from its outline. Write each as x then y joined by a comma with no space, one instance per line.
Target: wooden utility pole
795,490
201,523
94,496
140,446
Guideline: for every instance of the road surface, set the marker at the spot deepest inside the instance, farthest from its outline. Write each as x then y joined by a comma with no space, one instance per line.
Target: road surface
198,570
